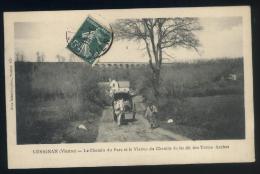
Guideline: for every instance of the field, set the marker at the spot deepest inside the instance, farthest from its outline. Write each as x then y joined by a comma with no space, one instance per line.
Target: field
53,100
211,117
202,101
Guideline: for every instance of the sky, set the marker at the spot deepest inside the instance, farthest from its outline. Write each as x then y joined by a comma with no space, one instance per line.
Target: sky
220,37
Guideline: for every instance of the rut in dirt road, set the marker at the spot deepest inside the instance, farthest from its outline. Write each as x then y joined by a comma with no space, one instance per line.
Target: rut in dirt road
134,130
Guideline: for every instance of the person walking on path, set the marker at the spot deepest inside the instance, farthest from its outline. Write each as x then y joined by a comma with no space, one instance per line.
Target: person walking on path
150,114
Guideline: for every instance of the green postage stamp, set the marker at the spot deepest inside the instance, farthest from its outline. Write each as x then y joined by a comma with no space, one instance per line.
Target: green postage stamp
91,40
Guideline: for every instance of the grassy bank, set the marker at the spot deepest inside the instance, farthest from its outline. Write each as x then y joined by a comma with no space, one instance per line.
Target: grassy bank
205,118
53,99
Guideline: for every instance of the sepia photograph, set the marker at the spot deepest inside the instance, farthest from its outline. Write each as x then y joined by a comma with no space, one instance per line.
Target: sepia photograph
142,79
180,83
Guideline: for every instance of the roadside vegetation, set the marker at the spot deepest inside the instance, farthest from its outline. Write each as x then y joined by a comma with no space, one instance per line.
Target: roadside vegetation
54,99
201,97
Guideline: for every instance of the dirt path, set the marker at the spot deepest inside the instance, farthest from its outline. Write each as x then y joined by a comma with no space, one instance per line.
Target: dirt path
138,130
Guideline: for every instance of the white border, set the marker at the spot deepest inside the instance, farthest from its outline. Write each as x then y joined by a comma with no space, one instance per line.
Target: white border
20,156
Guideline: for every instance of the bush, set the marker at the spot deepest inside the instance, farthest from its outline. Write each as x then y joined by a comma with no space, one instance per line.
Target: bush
50,96
202,78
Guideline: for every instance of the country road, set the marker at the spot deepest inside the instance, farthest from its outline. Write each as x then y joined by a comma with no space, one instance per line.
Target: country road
138,130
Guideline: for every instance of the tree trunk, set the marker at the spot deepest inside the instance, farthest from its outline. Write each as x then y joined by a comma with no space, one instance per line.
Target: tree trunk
156,85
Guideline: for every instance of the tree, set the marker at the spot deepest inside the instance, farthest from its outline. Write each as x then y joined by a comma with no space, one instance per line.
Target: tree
58,57
72,57
19,56
158,35
42,57
38,55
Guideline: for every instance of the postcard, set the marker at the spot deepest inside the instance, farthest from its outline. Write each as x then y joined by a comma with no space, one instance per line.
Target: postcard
126,87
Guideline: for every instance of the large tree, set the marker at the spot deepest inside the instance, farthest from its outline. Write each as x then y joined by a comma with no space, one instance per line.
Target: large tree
159,35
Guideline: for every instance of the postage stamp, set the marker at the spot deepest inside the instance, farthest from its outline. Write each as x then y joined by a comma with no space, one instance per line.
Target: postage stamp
91,40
